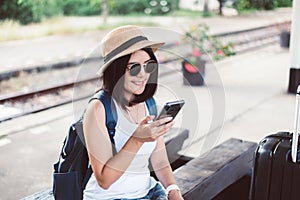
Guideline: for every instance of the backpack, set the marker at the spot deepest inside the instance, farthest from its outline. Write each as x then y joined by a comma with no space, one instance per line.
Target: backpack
72,171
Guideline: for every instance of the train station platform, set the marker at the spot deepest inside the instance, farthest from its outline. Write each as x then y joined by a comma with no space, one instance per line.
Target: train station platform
253,103
256,104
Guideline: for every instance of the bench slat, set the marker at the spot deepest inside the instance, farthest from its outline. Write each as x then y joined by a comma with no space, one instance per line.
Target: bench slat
206,176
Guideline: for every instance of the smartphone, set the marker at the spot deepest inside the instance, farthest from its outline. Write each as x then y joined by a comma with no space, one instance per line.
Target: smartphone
170,109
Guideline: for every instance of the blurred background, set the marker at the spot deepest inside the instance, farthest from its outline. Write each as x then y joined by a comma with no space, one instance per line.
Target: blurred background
47,17
45,44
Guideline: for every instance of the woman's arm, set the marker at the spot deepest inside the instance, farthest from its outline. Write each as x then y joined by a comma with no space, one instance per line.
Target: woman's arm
106,167
162,168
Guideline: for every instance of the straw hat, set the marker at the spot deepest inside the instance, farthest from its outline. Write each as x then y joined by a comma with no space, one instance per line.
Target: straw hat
123,41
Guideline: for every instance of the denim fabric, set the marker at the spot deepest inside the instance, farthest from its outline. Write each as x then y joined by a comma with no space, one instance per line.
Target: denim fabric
156,193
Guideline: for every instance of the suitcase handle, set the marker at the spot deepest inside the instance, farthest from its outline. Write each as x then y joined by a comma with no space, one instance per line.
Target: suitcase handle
296,124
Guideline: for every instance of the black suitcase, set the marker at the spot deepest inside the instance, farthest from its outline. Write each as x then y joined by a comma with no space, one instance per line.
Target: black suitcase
276,173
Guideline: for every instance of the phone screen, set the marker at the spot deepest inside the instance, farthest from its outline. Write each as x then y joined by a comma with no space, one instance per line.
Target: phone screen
171,109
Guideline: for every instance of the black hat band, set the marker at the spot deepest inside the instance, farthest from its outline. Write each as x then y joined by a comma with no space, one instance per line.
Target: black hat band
123,47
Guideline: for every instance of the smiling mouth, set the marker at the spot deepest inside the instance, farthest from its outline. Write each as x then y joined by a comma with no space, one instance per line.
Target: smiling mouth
139,83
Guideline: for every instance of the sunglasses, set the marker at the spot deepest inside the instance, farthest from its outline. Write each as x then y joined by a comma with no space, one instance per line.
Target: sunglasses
149,67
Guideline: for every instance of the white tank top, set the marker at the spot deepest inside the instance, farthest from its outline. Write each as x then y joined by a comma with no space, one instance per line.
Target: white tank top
136,180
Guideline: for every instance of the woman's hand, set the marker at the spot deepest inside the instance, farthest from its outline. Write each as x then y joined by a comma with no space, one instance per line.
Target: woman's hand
148,132
175,195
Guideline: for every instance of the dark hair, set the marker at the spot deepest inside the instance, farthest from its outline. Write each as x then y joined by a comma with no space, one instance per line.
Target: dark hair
113,81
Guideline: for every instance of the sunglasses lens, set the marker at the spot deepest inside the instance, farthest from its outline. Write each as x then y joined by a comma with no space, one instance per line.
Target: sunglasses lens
135,69
151,67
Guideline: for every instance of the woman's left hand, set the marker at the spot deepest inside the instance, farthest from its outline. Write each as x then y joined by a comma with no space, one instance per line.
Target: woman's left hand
175,195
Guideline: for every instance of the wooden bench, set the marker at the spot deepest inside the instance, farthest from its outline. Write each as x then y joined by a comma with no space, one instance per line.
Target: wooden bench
174,140
208,175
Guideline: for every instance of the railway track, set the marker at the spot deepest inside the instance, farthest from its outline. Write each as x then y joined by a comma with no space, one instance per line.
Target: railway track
244,41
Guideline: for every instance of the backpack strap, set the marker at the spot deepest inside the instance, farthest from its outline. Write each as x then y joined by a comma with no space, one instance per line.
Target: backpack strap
111,122
151,105
110,112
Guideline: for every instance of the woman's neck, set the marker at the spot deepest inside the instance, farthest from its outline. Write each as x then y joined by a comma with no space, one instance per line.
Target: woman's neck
136,113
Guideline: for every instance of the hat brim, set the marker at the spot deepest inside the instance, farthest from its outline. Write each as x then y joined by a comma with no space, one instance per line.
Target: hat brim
135,47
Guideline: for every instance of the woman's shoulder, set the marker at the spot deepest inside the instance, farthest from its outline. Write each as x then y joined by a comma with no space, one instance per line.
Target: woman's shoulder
95,109
95,104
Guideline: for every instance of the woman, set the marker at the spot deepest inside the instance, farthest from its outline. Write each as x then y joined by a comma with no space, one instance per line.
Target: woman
129,75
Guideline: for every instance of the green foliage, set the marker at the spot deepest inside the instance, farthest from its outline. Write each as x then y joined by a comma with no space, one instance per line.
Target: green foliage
8,9
264,4
117,7
203,43
284,3
51,8
81,7
158,7
35,11
152,7
242,5
27,11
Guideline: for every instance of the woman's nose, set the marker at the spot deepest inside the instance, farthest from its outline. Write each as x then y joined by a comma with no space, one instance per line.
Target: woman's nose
142,72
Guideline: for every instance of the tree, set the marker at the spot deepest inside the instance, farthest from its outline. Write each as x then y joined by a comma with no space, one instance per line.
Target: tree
205,8
104,11
220,6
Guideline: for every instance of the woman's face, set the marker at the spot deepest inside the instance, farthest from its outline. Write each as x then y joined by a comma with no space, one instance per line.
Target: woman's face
136,84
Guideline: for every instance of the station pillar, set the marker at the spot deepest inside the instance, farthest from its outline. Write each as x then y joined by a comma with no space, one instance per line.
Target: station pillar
294,79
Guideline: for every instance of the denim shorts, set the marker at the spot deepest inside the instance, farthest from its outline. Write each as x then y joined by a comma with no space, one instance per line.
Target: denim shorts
156,193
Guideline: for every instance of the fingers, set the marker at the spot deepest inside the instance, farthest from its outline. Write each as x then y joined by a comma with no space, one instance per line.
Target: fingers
163,129
162,126
147,132
162,121
147,119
